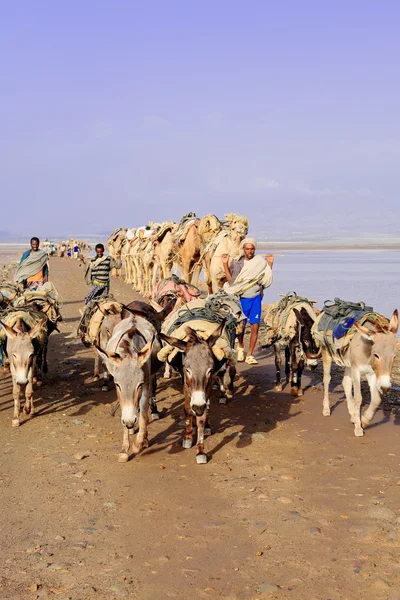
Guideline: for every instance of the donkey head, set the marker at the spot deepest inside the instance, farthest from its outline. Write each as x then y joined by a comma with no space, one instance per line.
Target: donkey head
130,369
309,346
20,348
198,365
381,350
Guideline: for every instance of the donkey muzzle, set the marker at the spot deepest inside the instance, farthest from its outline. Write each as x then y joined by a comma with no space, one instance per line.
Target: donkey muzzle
384,384
198,403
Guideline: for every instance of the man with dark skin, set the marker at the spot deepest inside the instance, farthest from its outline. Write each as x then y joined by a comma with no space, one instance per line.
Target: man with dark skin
251,299
37,273
98,273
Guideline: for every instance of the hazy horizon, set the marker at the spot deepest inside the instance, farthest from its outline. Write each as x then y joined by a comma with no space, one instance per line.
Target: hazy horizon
115,114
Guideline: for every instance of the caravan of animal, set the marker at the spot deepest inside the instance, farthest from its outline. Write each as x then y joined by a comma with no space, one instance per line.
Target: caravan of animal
198,334
150,253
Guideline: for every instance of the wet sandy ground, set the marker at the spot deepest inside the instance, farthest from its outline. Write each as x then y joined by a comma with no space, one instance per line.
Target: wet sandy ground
290,506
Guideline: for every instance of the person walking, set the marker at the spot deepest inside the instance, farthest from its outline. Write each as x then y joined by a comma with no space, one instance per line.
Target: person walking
33,269
248,277
97,273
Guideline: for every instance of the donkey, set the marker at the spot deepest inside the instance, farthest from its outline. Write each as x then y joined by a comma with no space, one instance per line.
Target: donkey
370,352
300,351
131,358
23,350
197,366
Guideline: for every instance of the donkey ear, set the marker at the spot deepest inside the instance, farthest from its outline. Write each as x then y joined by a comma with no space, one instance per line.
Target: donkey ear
111,355
216,334
9,330
145,353
173,341
368,334
298,316
394,322
193,336
34,332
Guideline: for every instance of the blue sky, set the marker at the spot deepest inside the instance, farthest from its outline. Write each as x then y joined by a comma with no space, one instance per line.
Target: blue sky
117,113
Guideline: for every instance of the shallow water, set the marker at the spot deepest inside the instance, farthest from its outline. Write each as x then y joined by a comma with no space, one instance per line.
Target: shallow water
370,276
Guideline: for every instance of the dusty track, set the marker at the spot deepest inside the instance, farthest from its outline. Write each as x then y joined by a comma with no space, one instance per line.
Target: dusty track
289,498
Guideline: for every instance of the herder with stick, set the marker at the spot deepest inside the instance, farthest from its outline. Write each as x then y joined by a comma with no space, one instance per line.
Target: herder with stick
248,277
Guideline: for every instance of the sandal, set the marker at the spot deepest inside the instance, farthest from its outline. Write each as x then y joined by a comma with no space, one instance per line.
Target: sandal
250,360
240,354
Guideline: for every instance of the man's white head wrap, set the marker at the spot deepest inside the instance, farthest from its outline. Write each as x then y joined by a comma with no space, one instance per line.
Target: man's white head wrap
248,240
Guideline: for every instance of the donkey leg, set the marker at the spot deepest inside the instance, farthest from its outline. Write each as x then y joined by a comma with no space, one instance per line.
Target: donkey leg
167,371
229,379
17,393
287,364
347,384
96,371
201,457
278,364
28,408
155,415
142,440
358,430
188,435
327,363
296,378
123,456
375,401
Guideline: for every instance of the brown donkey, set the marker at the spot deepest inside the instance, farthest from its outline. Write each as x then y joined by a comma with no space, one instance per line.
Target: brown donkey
23,353
371,353
197,367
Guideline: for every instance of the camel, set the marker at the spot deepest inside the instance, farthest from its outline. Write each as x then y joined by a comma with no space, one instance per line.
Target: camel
227,241
163,251
126,253
187,249
114,245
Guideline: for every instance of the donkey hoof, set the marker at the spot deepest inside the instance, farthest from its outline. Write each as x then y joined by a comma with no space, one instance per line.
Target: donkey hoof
207,430
123,457
15,423
222,400
295,391
358,431
104,388
365,421
187,444
326,412
201,459
155,415
278,387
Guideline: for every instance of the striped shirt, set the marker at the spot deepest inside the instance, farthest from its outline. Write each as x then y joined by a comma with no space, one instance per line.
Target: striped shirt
102,271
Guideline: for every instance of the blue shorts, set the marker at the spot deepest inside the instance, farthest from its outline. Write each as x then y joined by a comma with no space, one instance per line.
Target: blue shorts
252,309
